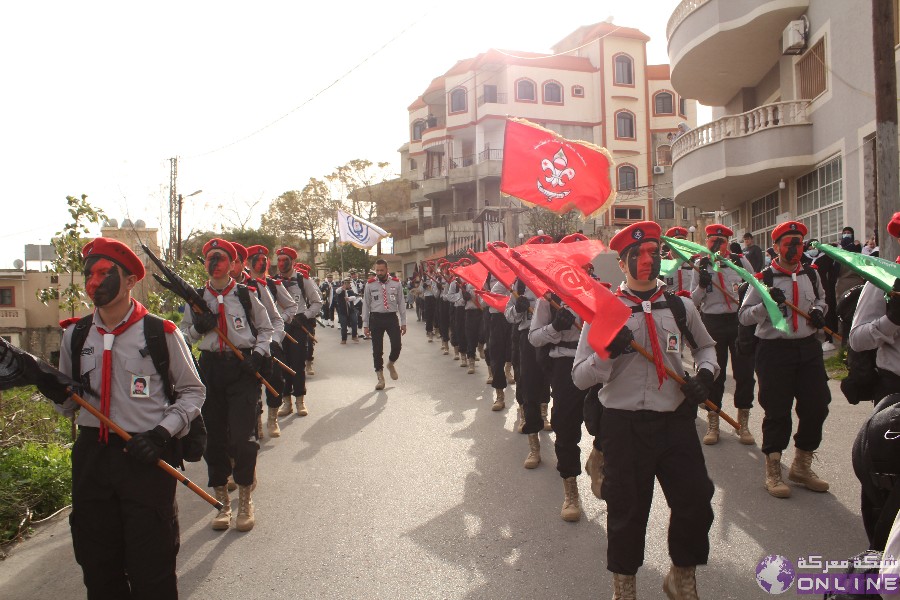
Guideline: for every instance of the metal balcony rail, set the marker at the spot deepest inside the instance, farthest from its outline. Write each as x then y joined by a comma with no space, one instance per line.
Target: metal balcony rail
462,161
493,154
768,116
680,14
498,98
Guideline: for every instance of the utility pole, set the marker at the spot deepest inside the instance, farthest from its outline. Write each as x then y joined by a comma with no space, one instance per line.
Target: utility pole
886,147
173,207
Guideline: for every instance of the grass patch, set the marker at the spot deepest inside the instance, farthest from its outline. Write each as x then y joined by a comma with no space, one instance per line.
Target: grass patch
836,366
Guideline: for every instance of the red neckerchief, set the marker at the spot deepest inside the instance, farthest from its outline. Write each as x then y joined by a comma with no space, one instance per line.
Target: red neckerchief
651,330
794,320
724,289
109,337
220,297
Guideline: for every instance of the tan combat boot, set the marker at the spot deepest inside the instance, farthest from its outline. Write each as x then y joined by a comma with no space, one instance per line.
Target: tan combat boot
455,353
463,360
594,468
471,364
380,384
259,426
534,451
392,370
520,418
774,483
624,587
430,337
801,472
681,583
490,377
245,518
272,423
712,429
744,431
571,508
445,348
545,408
500,402
481,351
222,520
310,370
286,407
231,485
301,406
508,370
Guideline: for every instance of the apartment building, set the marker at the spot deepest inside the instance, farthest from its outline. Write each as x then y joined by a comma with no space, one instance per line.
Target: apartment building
792,135
595,86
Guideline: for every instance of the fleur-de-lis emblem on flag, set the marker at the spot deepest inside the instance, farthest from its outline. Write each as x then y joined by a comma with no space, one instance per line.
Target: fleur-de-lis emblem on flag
559,174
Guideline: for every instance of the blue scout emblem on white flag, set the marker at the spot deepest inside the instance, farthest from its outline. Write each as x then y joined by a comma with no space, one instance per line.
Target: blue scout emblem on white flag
358,232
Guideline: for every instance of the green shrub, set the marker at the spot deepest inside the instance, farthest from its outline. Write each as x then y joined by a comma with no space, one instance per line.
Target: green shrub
174,316
35,482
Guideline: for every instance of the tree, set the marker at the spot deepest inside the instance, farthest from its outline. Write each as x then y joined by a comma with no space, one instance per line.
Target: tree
190,268
551,223
353,258
356,181
306,214
68,244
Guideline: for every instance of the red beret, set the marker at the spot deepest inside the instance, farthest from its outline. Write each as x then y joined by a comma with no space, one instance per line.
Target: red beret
117,252
636,233
573,237
251,250
677,232
719,230
788,227
241,251
893,227
540,239
289,252
220,244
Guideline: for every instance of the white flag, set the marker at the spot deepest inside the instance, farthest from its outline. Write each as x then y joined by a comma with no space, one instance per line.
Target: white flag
358,232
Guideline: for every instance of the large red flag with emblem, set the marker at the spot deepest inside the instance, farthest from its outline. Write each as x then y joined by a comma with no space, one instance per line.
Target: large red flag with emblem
496,301
531,281
543,168
497,268
474,274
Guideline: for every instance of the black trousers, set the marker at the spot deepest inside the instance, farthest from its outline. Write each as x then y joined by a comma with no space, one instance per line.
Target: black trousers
379,324
420,307
347,319
514,356
724,329
473,330
329,312
789,369
533,383
310,345
230,412
124,521
593,413
445,310
296,355
275,375
638,447
430,307
566,417
498,348
458,329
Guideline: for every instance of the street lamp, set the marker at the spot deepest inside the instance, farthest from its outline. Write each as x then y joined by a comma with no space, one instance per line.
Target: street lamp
692,229
180,204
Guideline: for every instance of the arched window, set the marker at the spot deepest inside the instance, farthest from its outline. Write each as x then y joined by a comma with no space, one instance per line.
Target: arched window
664,103
418,128
458,101
664,155
526,91
665,208
624,68
625,125
552,93
627,176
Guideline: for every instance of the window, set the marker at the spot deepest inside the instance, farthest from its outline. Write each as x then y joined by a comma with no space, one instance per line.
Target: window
458,101
684,213
664,155
664,103
627,177
490,94
820,203
732,221
665,208
811,72
577,91
628,214
762,219
418,128
413,165
552,93
7,296
526,91
682,107
624,68
625,125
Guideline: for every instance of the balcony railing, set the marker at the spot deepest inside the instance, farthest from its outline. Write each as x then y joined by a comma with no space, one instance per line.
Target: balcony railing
435,171
768,116
498,98
495,154
12,318
680,14
462,161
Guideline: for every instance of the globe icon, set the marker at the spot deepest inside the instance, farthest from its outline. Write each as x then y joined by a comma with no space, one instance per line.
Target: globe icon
775,574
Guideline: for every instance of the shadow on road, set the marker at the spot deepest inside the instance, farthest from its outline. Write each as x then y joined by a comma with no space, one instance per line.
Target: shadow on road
341,423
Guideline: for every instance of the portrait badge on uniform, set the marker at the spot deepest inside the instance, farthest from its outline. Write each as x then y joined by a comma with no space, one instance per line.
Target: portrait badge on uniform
238,323
673,343
140,387
735,287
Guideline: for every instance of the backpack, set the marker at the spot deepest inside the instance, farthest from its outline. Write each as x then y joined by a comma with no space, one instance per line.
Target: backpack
191,446
676,305
862,381
243,294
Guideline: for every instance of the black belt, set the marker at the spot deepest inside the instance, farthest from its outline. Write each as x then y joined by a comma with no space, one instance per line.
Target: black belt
93,434
789,341
719,317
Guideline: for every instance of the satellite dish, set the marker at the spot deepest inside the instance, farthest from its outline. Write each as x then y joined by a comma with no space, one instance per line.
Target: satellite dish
139,224
126,223
18,264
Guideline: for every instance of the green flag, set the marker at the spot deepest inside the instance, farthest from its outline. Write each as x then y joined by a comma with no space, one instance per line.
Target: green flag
879,271
667,267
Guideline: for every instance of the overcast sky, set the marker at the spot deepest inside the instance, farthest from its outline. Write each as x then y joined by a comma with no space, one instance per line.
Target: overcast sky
99,95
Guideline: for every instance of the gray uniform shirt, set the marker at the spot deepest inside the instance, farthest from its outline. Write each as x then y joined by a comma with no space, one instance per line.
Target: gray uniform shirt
474,303
498,288
429,287
522,320
630,380
236,321
265,298
453,294
754,311
286,304
374,297
542,333
312,306
135,413
710,300
871,329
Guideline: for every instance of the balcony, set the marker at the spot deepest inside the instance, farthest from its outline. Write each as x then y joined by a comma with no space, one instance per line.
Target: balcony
435,236
417,242
410,214
402,246
12,318
717,47
497,98
740,157
476,166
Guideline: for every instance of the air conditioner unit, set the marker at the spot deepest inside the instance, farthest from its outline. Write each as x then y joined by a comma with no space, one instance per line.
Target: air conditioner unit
658,169
793,39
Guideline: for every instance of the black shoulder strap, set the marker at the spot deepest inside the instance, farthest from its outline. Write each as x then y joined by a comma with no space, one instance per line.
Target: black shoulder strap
301,283
676,305
769,278
243,295
155,335
79,335
273,289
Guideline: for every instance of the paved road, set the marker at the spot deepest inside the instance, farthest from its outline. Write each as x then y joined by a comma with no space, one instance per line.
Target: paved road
418,491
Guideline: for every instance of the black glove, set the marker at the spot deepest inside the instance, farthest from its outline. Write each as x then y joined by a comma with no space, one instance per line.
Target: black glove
148,446
893,305
705,279
253,363
564,320
522,303
52,388
816,318
696,389
276,349
466,295
703,263
777,295
440,287
205,322
620,343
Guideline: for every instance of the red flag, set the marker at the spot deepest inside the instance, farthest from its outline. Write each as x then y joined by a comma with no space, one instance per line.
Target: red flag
579,253
531,281
543,168
474,274
496,267
496,301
